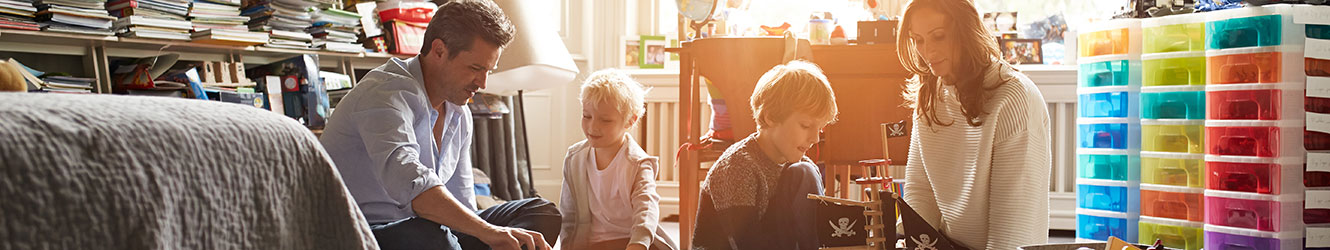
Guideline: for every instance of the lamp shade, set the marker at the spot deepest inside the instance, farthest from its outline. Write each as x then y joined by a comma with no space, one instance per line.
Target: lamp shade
535,59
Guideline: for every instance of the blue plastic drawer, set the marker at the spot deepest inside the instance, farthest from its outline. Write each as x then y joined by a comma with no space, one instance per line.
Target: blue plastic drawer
1103,135
1107,198
1318,31
1109,104
1106,73
1103,167
1240,32
1173,105
1092,227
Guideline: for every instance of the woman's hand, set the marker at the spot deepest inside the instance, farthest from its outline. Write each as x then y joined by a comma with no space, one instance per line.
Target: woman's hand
510,238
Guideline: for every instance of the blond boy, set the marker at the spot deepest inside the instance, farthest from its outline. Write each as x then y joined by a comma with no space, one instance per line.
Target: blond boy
755,195
609,199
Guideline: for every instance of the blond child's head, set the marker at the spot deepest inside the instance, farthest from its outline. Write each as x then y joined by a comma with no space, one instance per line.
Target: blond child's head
791,104
612,102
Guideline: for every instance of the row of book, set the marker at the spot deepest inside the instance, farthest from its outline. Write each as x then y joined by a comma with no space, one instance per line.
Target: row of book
292,24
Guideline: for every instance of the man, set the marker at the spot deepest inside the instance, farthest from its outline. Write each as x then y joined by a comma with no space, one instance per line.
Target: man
401,140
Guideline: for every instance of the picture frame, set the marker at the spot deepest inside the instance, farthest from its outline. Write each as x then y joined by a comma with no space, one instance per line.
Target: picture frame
1022,51
632,53
652,52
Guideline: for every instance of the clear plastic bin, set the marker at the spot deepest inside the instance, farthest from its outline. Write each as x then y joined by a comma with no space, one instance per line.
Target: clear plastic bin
1174,68
1271,213
1109,133
1098,225
1173,102
1105,164
1110,70
1270,25
1281,101
1177,169
1254,175
1114,196
1254,138
1173,233
1182,203
1255,65
1230,238
1178,136
1173,33
1112,37
1108,104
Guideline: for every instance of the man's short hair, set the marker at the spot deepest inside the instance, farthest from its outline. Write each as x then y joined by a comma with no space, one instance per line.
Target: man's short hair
459,22
797,86
627,95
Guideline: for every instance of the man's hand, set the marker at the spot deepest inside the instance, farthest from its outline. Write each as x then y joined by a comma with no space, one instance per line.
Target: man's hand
509,238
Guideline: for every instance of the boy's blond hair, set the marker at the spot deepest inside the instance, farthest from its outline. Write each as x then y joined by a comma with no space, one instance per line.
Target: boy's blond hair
795,86
627,95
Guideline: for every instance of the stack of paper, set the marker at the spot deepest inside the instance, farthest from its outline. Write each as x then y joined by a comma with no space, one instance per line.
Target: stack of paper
154,9
16,14
155,28
74,16
230,37
217,14
282,19
66,84
336,30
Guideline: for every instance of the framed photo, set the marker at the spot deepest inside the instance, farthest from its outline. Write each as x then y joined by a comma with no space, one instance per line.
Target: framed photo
652,52
632,52
1022,51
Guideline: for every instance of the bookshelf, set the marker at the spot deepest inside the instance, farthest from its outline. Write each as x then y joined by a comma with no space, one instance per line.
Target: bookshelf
98,51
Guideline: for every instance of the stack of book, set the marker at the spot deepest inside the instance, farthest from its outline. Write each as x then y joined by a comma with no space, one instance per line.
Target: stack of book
154,28
74,16
281,18
153,9
336,30
16,14
217,14
230,37
67,84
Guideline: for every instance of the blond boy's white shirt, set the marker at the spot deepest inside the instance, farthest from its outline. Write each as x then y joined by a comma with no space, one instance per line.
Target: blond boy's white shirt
575,207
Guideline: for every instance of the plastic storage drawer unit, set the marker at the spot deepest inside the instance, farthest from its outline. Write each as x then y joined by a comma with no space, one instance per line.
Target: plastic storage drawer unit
1114,70
1174,68
1103,164
1098,225
1113,196
1113,37
1177,234
1254,175
1255,101
1255,65
1173,33
1182,203
1109,133
1229,238
1173,102
1264,212
1176,169
1254,138
1105,104
1178,136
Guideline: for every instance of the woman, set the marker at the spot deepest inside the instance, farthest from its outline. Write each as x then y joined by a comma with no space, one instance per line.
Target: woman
979,151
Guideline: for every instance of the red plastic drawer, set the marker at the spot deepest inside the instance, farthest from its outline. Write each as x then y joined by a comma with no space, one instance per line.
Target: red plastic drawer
1253,175
1256,138
1281,101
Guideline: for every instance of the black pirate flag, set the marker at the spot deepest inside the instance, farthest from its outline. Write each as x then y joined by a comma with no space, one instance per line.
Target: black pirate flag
919,235
896,129
840,225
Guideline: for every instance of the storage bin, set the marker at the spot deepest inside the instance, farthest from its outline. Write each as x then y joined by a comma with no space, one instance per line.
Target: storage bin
1176,169
1316,67
1178,136
1112,70
1173,33
1182,203
1109,133
1254,138
1318,236
1318,31
1113,196
1254,175
1281,101
406,11
1173,68
1173,102
1317,133
1317,171
1105,104
1112,37
1105,164
1098,225
1316,208
1270,25
1230,238
1264,212
1177,234
1318,95
1255,65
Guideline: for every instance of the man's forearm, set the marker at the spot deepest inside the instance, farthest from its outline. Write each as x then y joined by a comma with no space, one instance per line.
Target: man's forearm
441,207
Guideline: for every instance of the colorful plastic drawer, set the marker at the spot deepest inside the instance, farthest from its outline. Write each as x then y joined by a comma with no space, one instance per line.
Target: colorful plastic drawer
1315,140
1178,136
1317,206
1103,165
1312,104
1316,216
1255,65
1271,213
1112,71
1173,33
1254,138
1251,31
1098,225
1318,236
1173,102
1113,37
1253,175
1281,101
1172,202
1107,104
1316,67
1229,238
1108,133
1176,169
1318,31
1318,95
1175,68
1176,234
1105,195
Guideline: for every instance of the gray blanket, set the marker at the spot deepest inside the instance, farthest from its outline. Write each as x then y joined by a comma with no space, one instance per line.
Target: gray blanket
118,172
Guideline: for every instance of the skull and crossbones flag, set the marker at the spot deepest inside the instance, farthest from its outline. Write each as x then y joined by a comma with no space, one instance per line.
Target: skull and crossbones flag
919,235
896,129
840,225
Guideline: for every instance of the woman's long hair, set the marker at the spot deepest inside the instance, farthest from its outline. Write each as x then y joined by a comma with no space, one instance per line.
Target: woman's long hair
977,51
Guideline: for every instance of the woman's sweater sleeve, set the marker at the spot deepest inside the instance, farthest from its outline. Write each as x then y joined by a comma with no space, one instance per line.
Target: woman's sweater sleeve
918,189
1018,200
646,205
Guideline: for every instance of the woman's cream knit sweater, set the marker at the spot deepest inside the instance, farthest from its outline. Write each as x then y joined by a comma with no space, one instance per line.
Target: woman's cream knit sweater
986,186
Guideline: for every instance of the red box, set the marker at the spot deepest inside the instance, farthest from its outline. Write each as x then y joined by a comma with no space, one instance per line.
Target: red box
405,38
